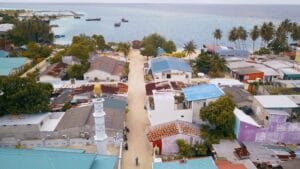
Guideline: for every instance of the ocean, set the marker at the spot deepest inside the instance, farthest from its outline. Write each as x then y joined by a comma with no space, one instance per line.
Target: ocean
178,22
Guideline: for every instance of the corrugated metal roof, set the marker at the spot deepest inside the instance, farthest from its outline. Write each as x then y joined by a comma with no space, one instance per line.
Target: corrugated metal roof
43,159
200,163
161,64
8,64
275,101
202,92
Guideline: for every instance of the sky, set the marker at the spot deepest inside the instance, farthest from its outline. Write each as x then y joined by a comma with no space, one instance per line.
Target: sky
167,1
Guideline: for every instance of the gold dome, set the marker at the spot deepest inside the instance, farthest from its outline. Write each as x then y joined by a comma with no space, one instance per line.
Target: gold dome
97,89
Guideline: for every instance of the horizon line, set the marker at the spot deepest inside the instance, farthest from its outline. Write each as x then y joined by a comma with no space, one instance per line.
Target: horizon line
158,3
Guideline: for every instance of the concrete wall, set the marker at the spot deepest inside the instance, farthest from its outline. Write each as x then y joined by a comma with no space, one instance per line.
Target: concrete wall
100,75
175,76
47,78
197,106
169,145
277,130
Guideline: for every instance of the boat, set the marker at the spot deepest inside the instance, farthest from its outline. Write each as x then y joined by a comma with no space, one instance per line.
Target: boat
124,20
93,19
77,17
59,36
117,24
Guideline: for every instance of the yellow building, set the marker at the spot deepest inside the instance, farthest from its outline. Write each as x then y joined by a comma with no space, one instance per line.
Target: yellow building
297,58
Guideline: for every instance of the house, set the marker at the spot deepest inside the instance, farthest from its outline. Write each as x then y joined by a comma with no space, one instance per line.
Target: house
53,73
166,106
163,86
240,96
197,163
264,103
248,74
4,28
225,51
105,69
54,159
164,136
10,66
71,60
171,69
226,82
278,126
200,96
290,74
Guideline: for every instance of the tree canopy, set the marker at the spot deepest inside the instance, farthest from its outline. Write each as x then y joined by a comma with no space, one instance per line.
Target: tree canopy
189,48
220,116
210,64
151,43
31,30
77,71
36,51
23,96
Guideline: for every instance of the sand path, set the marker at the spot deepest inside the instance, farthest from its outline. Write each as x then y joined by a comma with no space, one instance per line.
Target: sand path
137,120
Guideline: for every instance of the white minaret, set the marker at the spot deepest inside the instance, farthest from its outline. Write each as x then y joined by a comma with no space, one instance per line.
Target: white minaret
100,134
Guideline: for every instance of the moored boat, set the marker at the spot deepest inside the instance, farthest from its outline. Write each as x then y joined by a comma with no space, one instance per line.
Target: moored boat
93,19
117,24
124,20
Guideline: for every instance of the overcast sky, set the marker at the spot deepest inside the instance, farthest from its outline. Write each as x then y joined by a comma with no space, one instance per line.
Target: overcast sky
170,1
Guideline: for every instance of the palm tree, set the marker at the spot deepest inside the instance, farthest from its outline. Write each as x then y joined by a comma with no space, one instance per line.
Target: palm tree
242,35
124,48
217,35
295,33
267,32
254,34
233,35
190,48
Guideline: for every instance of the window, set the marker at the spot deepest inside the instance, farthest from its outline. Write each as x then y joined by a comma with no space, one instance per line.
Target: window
267,117
168,76
186,76
182,116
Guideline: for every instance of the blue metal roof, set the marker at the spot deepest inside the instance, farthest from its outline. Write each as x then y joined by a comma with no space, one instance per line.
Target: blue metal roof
161,64
8,64
37,159
202,92
3,54
201,163
59,149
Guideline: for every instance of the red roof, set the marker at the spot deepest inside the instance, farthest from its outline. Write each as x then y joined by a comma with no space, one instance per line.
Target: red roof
224,164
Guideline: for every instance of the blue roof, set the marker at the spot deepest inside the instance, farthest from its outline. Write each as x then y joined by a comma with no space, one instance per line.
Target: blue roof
59,149
161,64
200,163
37,159
8,64
3,54
202,92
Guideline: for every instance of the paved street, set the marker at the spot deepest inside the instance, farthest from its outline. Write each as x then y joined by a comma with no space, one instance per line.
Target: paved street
137,119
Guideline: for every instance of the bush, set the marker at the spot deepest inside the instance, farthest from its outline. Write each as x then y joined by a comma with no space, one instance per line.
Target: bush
263,51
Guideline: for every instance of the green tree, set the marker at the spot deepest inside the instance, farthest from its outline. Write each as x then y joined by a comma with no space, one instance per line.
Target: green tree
31,30
79,50
217,35
185,149
267,32
36,51
23,95
77,71
220,116
254,34
295,33
242,35
99,41
233,35
152,42
148,50
124,48
189,48
210,64
169,46
280,42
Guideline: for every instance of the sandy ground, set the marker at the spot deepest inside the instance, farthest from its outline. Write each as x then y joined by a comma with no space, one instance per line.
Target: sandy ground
137,120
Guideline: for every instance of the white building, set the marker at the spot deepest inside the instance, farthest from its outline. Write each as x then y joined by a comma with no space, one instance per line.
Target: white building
105,69
4,28
166,106
169,68
54,73
70,60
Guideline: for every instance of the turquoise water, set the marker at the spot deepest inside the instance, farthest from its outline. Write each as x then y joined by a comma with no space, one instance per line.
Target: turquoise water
180,23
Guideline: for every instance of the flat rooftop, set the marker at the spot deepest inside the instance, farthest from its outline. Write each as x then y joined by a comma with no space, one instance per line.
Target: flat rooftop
202,92
10,120
276,101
